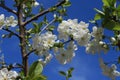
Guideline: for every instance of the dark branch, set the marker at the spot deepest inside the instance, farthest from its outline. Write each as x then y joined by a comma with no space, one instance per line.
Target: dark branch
8,9
11,32
30,52
43,13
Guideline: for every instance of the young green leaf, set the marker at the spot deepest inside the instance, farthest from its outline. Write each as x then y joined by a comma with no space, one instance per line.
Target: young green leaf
100,12
62,73
70,72
98,17
106,3
35,69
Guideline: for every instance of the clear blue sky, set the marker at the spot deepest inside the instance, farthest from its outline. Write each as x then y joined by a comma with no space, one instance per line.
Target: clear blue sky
86,65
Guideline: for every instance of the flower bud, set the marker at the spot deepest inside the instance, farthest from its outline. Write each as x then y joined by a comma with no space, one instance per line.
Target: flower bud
113,39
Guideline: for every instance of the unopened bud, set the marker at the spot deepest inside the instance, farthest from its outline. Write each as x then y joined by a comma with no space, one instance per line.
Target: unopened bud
113,39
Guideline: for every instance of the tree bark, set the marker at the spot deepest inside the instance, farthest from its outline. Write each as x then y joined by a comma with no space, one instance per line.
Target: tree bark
22,33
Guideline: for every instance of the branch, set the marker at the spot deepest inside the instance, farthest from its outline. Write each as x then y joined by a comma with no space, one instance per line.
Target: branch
30,52
8,9
11,32
42,13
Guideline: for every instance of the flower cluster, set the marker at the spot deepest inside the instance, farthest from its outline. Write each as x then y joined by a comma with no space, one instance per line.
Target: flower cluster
109,71
8,21
79,31
70,32
96,45
65,55
42,43
8,75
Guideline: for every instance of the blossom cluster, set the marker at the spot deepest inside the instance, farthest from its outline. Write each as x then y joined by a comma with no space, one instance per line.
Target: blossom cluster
109,71
80,33
7,75
72,32
42,43
65,55
8,21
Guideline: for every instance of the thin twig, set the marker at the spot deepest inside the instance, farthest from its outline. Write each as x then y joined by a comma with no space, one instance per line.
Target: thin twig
30,52
42,13
47,26
11,32
8,9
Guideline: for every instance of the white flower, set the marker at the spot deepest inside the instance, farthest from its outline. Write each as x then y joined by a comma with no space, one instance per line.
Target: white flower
35,4
7,75
2,21
82,39
79,31
48,39
109,71
95,46
65,55
97,33
48,57
43,42
10,21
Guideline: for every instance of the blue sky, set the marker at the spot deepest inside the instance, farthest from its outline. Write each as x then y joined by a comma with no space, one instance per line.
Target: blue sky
86,65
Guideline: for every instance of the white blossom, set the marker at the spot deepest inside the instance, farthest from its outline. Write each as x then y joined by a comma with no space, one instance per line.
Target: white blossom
79,31
2,17
82,39
95,46
65,55
35,3
48,57
43,42
7,75
10,21
109,71
97,33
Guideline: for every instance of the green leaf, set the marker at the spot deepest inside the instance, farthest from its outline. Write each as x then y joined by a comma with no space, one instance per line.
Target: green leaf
39,77
45,20
62,73
98,17
112,3
100,12
111,25
106,3
41,8
70,72
52,8
51,28
36,28
67,4
35,69
118,11
109,3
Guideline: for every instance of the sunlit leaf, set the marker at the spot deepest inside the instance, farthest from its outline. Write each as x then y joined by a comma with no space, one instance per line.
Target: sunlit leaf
35,69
